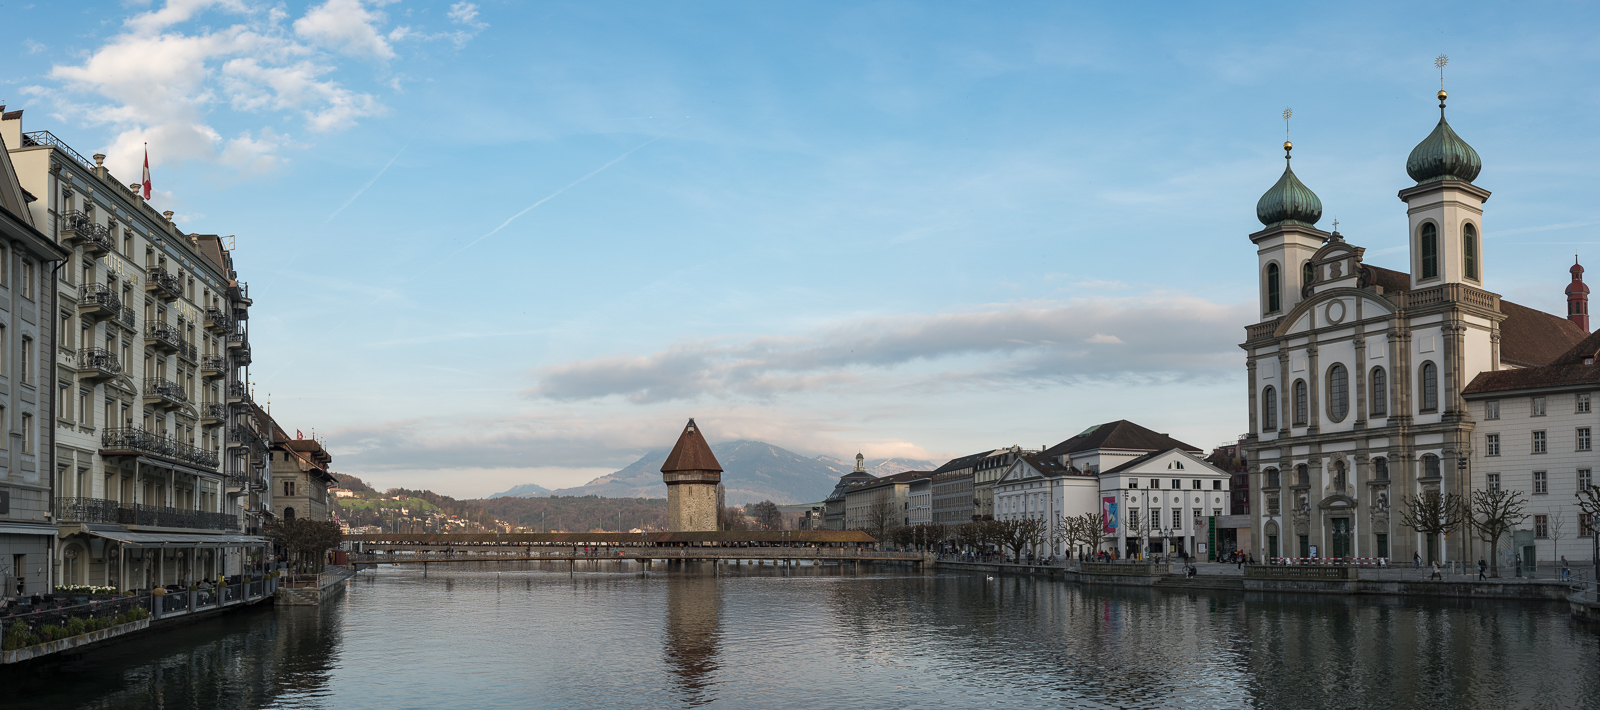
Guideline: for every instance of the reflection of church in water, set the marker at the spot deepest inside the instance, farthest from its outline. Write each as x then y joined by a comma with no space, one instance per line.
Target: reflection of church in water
1357,372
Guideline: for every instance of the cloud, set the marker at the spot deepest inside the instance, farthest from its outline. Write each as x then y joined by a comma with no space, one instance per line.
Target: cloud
1146,337
159,82
347,27
466,13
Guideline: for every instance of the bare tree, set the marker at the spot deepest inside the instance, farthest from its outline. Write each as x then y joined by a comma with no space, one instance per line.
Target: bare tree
1589,503
766,515
1079,530
881,517
1433,513
1037,531
1494,513
1556,533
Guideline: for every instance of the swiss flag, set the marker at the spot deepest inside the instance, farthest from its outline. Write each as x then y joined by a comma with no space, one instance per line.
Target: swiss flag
147,171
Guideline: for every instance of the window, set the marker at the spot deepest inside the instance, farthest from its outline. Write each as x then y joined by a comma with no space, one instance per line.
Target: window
1380,392
26,370
1301,402
1307,273
1216,485
1491,445
62,411
1133,519
1585,525
1583,403
1302,475
1491,409
1430,387
1585,479
1538,406
27,433
1493,481
27,278
1541,482
1269,409
1274,289
1541,526
1177,519
1430,251
1430,466
84,411
1380,468
1469,250
1272,478
1338,392
1196,485
1133,483
1177,484
1538,442
1583,438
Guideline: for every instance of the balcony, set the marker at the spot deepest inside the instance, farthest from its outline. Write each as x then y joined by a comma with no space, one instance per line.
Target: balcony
100,510
212,367
213,413
97,302
217,321
238,338
164,336
124,441
98,364
242,437
241,311
164,285
188,351
238,393
164,393
125,319
241,355
79,228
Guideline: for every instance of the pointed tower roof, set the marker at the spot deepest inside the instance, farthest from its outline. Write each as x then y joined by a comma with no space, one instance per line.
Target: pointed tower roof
691,453
1289,201
1443,155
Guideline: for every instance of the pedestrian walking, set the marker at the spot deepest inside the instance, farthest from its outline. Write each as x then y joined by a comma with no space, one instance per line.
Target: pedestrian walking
1482,567
1566,570
1435,574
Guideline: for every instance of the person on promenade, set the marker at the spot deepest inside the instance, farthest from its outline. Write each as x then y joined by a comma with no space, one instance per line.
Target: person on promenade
1566,570
1416,559
1482,567
1435,574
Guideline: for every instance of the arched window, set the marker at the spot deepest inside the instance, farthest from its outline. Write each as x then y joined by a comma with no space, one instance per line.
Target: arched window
1301,402
1430,466
1430,251
1307,274
288,513
1469,250
1302,475
1380,468
1272,478
1274,289
1380,392
1338,392
1430,387
1269,409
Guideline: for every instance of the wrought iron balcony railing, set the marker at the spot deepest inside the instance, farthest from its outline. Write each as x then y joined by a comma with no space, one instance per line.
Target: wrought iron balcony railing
214,411
98,301
79,228
238,392
165,392
241,355
213,367
164,336
217,320
136,439
165,285
98,363
100,510
188,351
125,319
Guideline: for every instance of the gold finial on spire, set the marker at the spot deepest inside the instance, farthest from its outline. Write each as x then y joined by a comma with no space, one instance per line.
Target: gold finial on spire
1439,62
1287,146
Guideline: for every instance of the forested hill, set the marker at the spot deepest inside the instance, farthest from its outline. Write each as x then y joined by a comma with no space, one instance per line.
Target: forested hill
578,513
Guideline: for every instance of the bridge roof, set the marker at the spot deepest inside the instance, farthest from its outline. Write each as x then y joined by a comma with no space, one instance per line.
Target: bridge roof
821,537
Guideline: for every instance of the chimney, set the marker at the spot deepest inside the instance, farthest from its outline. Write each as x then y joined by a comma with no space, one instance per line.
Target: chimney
1578,297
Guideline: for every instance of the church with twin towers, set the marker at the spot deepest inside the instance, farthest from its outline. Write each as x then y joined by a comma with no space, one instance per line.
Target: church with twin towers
1368,385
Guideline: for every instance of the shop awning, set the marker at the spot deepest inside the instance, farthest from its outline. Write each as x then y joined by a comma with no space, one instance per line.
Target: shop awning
134,539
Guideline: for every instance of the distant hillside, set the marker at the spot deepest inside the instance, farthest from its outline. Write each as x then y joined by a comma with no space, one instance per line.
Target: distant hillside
526,490
584,514
753,471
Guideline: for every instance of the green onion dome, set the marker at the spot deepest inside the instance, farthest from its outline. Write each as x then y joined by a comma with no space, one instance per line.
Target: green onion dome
1289,201
1443,155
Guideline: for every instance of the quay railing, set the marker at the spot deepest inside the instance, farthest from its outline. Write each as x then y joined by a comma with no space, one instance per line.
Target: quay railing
62,608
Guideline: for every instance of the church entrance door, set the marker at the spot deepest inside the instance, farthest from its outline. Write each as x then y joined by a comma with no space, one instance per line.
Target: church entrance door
1341,537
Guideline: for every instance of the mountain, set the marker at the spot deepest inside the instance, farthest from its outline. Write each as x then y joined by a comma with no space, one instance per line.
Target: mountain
753,471
526,490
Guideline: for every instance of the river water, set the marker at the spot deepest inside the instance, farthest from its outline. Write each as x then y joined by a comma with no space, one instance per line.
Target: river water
522,635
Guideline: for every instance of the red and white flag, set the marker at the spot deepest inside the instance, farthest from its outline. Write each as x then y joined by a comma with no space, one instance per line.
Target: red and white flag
298,435
147,172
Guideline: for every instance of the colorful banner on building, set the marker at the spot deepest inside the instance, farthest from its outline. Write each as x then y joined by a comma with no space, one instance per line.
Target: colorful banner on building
1108,515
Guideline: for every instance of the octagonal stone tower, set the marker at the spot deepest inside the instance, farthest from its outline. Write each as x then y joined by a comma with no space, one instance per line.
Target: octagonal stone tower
691,473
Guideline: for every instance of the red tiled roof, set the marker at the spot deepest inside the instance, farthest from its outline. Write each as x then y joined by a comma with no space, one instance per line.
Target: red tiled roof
1531,338
691,453
1564,370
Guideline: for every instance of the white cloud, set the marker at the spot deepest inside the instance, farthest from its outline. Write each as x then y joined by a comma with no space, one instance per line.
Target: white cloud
345,26
1167,335
466,13
34,47
160,82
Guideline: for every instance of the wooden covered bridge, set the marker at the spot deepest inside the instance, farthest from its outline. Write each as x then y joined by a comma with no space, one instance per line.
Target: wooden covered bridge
787,546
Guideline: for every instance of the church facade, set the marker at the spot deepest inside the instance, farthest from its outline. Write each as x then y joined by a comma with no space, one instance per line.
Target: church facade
1356,373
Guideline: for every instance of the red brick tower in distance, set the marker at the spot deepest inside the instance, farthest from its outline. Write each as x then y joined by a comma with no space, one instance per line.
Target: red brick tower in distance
692,474
1578,297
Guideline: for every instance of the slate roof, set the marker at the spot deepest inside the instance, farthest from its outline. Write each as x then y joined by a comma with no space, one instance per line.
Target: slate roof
691,453
967,461
901,477
1120,434
1528,337
1565,370
1050,466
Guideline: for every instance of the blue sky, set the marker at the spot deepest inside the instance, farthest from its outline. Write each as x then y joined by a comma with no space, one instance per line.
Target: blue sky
501,243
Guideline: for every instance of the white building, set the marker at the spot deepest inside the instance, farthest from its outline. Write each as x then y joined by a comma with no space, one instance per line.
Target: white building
1040,487
1357,372
1162,503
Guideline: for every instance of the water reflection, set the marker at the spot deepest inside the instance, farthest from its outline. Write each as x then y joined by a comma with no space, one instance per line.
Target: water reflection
692,635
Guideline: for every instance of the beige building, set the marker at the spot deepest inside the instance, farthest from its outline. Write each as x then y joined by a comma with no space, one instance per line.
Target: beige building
300,477
149,346
885,500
